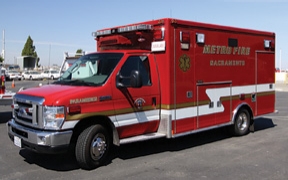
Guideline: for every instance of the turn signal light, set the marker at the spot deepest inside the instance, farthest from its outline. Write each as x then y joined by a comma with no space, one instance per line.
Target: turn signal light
74,110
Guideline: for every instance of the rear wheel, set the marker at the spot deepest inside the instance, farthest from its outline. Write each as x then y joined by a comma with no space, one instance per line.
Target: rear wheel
92,147
242,123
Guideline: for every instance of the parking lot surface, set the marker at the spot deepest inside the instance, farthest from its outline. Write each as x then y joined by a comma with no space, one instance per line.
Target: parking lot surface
208,155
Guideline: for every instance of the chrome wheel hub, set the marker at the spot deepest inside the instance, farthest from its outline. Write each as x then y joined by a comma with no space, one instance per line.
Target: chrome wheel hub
98,147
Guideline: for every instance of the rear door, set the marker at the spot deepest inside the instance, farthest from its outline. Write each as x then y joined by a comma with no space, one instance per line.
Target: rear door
265,75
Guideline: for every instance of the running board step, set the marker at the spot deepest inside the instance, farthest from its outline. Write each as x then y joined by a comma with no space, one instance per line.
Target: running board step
142,138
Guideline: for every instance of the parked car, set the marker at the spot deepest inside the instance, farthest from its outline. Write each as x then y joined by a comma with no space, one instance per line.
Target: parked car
13,75
31,75
50,74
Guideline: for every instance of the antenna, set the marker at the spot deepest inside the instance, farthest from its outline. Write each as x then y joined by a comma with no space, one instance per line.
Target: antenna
280,60
49,62
3,50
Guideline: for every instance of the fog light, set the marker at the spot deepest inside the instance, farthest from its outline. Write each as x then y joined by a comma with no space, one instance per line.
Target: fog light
42,140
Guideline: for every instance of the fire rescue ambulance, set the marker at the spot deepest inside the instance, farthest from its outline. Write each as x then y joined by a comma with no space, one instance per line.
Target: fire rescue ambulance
160,78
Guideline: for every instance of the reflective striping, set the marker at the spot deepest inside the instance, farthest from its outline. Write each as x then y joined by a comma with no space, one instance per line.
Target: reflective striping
217,94
265,87
69,124
137,117
124,119
188,110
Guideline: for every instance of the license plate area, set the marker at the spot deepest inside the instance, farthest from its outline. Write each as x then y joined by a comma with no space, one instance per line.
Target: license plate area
20,133
17,141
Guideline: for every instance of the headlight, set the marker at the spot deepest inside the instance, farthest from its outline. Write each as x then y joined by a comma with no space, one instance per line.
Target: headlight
53,117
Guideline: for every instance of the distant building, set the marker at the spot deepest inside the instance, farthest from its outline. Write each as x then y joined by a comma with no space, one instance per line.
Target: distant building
26,62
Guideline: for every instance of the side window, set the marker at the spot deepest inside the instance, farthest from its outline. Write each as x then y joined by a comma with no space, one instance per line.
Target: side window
139,63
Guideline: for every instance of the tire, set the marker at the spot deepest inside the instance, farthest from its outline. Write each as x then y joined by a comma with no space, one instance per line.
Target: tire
52,77
30,78
92,147
242,123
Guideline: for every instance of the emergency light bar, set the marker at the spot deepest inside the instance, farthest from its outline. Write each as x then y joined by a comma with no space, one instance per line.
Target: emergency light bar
101,33
135,28
139,27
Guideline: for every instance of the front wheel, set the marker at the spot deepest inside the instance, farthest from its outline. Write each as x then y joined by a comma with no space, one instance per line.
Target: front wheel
92,147
242,123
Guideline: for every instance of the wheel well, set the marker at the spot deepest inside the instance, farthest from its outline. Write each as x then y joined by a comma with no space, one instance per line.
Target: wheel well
239,108
102,120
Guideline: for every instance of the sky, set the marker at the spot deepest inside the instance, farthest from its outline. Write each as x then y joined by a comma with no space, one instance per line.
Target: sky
57,26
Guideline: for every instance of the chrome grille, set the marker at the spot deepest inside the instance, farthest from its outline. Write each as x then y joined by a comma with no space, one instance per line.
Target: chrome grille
28,110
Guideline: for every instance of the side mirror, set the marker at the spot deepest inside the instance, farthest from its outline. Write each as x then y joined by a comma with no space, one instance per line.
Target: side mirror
136,79
119,78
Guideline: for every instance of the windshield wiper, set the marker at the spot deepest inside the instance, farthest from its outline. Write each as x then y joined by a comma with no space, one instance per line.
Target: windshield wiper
81,82
62,81
74,82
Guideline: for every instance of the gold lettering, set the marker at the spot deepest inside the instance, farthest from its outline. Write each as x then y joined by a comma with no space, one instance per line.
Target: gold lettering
227,63
229,50
243,51
84,100
235,50
213,49
211,63
216,49
206,49
247,51
223,49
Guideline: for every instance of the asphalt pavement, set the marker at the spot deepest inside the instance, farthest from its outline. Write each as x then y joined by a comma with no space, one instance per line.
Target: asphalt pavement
209,155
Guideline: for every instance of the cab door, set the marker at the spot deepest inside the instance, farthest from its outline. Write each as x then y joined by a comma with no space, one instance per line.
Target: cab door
137,108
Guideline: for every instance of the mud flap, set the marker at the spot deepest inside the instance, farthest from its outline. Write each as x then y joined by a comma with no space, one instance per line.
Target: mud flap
251,127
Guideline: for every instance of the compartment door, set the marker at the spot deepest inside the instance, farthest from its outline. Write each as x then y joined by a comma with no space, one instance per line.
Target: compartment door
184,81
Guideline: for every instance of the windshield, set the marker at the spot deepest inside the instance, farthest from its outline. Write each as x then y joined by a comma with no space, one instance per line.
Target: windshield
91,69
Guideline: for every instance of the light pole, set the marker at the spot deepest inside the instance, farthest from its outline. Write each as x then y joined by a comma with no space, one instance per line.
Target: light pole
3,50
49,55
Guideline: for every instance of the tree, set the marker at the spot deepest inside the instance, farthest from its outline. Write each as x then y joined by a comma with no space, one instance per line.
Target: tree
1,59
29,50
79,52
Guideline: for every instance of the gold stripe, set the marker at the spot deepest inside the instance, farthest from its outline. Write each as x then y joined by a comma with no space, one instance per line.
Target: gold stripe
163,106
206,102
110,112
266,93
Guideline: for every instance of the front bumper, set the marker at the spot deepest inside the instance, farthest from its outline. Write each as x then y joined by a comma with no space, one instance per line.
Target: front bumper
39,140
